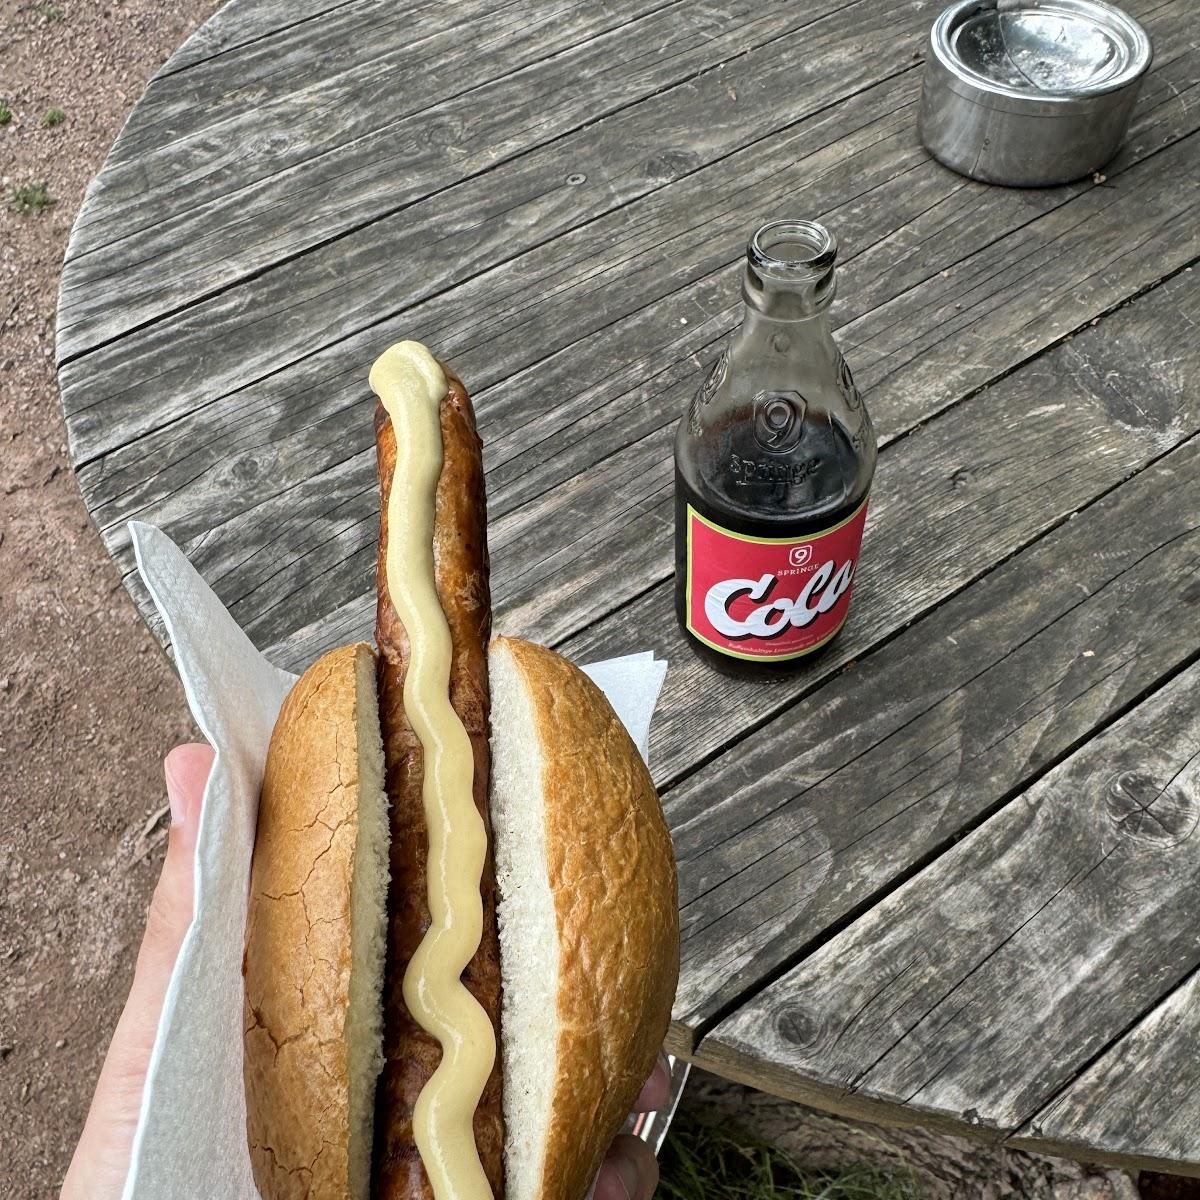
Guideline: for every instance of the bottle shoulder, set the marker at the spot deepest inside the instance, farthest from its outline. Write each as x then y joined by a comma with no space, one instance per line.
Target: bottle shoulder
731,480
777,432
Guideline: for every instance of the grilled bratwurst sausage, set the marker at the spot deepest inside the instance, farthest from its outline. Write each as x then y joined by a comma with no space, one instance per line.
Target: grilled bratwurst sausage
461,573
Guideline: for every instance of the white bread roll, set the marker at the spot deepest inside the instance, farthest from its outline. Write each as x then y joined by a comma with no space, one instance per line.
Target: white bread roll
589,927
589,944
315,938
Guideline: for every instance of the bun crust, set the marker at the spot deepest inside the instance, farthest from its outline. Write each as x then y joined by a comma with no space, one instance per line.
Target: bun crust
611,872
314,937
588,933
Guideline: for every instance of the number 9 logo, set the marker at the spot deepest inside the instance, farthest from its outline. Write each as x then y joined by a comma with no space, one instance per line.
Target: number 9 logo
778,420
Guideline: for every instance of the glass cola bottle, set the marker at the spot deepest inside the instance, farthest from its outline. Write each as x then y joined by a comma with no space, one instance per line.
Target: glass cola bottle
773,465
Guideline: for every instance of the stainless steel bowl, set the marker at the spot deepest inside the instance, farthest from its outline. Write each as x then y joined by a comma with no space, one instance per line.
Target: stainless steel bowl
1030,92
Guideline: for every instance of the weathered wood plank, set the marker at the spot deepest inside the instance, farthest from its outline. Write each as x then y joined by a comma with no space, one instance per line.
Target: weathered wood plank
987,458
515,211
135,479
968,489
975,992
1136,1105
325,162
339,578
204,167
331,111
845,161
945,340
208,91
258,446
824,810
150,199
240,23
947,223
552,576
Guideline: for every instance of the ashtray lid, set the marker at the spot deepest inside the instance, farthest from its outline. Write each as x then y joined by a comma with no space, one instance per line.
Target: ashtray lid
1040,51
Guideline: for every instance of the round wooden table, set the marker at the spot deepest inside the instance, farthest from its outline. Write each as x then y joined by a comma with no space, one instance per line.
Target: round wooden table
950,872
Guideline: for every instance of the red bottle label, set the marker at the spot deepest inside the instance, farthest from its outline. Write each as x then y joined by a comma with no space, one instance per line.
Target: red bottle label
773,598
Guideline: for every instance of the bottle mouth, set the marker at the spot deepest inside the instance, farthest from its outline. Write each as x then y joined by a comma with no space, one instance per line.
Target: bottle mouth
793,250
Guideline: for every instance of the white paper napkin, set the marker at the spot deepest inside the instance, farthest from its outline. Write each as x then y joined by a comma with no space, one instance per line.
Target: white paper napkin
190,1142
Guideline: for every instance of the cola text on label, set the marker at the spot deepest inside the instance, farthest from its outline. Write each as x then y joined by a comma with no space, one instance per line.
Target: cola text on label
769,598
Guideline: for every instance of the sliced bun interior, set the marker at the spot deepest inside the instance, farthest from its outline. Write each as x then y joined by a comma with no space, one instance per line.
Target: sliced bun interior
315,937
587,920
589,939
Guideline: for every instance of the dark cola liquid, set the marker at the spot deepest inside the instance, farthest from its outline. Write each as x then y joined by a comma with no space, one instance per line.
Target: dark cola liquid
727,477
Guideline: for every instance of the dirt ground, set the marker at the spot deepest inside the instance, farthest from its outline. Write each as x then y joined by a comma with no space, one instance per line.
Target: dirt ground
88,705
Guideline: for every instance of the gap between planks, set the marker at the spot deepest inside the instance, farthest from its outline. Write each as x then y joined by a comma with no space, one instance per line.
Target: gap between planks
84,458
689,1039
191,54
846,964
580,123
969,391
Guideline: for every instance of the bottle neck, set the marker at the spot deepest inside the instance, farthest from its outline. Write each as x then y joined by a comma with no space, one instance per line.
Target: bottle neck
781,334
784,323
788,286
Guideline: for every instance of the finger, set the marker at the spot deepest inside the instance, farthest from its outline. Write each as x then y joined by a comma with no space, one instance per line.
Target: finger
102,1156
656,1091
629,1172
186,769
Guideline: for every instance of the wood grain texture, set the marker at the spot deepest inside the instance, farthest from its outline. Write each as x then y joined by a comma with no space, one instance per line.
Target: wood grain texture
238,456
504,229
252,154
1139,1093
496,323
202,93
240,23
314,163
976,991
950,501
817,815
935,875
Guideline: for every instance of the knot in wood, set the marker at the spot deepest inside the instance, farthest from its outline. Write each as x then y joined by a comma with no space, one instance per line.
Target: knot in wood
268,146
443,131
799,1027
245,470
1147,812
671,164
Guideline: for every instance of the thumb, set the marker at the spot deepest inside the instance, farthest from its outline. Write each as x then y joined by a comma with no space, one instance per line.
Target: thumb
186,768
101,1159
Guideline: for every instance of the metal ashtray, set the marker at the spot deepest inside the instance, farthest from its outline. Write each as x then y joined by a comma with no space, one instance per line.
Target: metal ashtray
1030,92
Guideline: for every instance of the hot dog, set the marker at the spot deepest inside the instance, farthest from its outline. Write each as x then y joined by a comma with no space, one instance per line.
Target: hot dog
462,917
461,573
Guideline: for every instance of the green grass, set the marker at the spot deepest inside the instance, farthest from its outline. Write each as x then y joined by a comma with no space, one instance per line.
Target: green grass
6,113
54,116
30,199
710,1162
49,12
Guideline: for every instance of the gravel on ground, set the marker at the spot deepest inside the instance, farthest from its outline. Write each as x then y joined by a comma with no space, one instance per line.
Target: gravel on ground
88,704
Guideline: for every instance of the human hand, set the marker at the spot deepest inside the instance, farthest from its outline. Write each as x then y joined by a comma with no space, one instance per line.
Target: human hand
630,1170
101,1159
